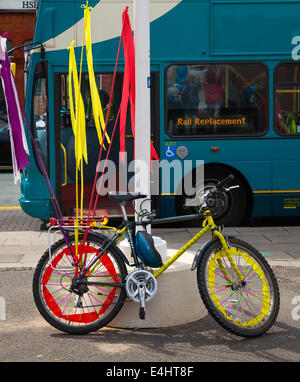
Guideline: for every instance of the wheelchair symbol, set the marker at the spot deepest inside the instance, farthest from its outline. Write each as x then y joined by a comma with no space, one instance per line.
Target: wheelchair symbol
170,152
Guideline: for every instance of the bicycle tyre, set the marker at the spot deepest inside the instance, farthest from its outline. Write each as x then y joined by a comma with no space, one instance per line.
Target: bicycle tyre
60,306
251,309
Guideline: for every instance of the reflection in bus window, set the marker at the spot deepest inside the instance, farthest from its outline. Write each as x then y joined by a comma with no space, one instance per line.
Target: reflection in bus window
104,84
40,111
216,99
287,100
27,48
3,112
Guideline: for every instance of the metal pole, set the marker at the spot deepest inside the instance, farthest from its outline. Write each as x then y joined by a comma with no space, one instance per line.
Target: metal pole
142,112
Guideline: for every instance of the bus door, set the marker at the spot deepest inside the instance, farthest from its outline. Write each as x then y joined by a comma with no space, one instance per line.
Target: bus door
115,177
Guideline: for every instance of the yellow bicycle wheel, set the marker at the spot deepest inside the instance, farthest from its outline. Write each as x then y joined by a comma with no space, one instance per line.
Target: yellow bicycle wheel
245,302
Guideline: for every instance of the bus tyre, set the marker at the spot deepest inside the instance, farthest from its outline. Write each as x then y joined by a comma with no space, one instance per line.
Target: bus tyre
228,208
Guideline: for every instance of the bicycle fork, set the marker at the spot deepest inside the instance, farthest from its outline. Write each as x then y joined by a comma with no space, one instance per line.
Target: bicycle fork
227,253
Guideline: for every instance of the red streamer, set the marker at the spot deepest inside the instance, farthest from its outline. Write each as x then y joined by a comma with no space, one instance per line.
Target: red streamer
128,92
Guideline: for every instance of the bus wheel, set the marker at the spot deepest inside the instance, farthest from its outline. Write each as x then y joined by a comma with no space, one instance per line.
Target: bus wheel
228,208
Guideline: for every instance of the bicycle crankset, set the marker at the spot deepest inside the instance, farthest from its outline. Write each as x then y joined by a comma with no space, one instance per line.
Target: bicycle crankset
141,286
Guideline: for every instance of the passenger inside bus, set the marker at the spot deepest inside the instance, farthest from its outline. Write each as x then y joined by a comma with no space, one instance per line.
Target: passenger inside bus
280,122
234,92
212,84
287,90
189,94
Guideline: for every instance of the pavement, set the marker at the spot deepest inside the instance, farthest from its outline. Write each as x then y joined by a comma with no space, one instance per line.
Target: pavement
22,243
27,337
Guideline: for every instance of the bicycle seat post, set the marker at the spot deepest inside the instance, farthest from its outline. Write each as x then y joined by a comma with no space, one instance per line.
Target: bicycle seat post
129,232
124,213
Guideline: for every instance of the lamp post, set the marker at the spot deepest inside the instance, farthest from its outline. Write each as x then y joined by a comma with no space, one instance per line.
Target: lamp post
142,105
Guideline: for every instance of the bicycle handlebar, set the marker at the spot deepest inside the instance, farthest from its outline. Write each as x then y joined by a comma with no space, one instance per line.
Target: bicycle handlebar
221,184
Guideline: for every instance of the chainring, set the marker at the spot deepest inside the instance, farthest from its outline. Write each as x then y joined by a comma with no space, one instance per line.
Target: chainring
140,279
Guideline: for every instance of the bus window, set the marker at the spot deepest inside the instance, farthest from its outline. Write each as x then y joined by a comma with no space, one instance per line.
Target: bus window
40,111
104,83
27,48
287,100
216,100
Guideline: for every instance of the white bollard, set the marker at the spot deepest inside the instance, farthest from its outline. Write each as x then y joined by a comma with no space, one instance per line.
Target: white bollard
177,300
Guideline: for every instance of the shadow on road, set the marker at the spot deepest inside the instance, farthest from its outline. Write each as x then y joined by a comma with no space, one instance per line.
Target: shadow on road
203,338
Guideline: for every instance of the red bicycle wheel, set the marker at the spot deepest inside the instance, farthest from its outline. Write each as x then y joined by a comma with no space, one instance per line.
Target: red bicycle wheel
85,307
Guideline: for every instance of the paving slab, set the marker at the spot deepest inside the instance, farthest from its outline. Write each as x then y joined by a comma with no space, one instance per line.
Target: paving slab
254,239
295,254
12,250
277,255
259,230
282,238
17,220
291,228
10,258
8,266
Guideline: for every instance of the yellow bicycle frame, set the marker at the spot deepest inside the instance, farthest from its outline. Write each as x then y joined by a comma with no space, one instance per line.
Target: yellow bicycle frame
208,225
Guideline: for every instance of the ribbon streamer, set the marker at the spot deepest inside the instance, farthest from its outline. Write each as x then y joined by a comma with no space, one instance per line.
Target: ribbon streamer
19,147
77,111
96,104
128,92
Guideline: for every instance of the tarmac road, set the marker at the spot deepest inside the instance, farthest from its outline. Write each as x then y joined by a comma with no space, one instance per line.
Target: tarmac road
26,337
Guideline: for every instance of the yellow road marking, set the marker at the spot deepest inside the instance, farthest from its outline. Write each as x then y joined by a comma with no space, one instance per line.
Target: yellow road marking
277,192
10,208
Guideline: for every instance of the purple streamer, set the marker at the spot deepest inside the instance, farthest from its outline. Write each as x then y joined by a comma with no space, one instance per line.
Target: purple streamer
17,135
19,149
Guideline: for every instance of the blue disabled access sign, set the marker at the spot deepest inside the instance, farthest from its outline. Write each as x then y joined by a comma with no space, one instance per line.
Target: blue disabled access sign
170,152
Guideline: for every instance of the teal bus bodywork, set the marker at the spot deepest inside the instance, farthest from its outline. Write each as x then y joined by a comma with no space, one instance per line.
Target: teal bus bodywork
186,32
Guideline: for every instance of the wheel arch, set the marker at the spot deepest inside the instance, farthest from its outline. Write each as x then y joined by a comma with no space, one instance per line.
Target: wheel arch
227,168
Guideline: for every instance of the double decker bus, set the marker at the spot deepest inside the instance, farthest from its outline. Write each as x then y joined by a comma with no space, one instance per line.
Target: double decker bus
225,83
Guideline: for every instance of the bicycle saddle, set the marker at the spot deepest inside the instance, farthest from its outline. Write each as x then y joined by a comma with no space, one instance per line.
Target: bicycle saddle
125,196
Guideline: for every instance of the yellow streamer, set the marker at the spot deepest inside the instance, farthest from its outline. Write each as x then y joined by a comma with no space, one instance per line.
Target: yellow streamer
96,104
77,113
77,109
78,124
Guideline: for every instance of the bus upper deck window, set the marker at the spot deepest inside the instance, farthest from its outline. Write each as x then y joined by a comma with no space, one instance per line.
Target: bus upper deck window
286,99
40,110
216,99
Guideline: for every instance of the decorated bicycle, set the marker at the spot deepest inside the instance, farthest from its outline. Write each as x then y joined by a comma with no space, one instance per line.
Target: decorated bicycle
82,281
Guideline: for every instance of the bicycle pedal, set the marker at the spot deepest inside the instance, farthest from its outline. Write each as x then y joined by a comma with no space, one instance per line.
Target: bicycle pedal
142,313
